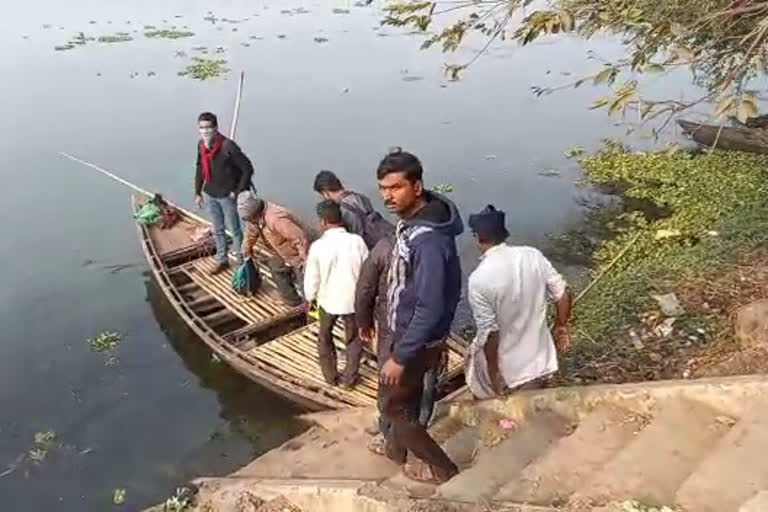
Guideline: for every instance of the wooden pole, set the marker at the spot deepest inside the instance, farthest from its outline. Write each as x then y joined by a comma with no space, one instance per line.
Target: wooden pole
130,185
236,113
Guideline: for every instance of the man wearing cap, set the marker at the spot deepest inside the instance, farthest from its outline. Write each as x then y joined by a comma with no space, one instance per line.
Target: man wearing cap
508,294
283,234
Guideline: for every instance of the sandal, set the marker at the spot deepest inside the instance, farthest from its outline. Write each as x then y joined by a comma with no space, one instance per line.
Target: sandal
423,473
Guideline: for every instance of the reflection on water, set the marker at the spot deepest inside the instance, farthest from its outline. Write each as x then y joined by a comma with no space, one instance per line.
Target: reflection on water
237,395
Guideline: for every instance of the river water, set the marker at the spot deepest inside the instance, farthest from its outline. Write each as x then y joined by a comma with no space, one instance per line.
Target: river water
161,411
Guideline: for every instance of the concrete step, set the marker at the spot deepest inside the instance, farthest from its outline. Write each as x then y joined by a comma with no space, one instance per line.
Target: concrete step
735,470
572,460
462,446
652,467
496,465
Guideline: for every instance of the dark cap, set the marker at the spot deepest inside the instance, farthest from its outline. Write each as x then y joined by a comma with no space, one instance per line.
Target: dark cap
489,223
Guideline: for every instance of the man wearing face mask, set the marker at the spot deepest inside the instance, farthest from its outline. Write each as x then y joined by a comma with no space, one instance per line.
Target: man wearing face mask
223,171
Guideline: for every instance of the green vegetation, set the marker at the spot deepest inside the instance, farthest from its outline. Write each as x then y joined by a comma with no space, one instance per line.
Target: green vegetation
574,152
684,217
44,441
443,188
120,37
203,69
168,33
179,502
118,496
105,341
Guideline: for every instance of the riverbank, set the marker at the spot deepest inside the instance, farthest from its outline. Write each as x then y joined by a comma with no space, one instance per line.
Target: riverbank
683,253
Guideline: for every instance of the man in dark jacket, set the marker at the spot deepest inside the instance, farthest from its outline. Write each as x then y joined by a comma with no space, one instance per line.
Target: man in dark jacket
371,316
357,212
424,286
372,320
223,171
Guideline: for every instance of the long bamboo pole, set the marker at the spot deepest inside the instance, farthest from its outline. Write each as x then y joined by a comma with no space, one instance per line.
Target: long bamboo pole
236,113
132,186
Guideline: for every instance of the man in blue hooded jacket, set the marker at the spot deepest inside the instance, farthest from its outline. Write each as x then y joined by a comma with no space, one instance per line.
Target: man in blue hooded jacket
424,287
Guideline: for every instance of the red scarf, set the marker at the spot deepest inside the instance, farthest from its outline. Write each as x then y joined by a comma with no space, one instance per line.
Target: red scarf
207,155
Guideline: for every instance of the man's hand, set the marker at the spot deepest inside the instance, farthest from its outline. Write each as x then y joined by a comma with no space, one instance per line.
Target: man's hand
391,373
367,333
562,338
199,201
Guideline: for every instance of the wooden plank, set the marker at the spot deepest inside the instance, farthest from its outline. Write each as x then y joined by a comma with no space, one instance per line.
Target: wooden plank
309,362
276,361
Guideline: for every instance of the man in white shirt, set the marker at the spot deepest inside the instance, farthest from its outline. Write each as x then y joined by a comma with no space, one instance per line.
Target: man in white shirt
330,277
508,294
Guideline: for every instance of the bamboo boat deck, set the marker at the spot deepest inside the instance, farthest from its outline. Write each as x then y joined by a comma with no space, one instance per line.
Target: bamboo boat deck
297,352
259,337
264,308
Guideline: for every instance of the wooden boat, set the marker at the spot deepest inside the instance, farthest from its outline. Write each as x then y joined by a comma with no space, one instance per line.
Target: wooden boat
260,337
748,137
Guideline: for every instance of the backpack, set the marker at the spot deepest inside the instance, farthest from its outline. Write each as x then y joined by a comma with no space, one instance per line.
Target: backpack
375,227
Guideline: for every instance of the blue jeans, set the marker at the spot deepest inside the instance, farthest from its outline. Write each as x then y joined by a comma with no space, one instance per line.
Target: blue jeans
224,210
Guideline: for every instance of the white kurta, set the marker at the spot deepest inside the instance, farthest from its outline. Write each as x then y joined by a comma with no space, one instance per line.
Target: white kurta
508,293
333,266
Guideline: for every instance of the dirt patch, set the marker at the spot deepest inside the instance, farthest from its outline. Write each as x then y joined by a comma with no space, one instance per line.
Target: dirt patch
716,298
700,343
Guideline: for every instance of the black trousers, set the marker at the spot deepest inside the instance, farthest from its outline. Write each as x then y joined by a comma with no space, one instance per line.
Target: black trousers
402,404
326,351
285,281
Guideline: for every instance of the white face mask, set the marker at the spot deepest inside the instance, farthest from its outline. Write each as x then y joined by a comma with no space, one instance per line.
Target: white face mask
207,134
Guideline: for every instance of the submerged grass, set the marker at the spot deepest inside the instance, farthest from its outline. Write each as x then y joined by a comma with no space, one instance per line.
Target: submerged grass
710,213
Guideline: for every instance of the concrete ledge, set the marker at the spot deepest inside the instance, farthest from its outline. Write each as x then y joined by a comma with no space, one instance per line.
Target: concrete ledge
729,395
332,495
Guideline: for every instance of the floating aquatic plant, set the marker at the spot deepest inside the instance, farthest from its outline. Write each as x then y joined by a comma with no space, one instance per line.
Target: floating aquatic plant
168,33
118,496
203,69
120,37
443,188
105,341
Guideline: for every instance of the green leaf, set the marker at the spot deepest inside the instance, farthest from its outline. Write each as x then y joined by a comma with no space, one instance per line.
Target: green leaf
600,103
653,68
605,75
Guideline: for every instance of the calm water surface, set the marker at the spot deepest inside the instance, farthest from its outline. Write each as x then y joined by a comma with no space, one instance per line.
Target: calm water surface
163,412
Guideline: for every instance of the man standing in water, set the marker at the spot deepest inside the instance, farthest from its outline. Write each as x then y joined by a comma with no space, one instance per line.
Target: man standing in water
223,171
424,288
508,294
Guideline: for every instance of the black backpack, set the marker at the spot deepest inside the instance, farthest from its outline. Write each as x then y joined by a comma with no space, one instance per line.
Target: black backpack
375,227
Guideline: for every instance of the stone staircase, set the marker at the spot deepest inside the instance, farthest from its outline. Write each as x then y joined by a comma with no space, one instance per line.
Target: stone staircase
701,454
695,446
